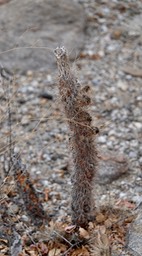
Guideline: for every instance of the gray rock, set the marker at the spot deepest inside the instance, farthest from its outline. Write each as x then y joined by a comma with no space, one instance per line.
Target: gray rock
111,167
133,154
39,23
134,240
140,160
110,144
134,26
13,209
16,244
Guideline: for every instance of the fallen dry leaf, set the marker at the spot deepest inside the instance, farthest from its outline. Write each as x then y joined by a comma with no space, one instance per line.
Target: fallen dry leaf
43,248
54,252
100,218
101,246
84,233
81,252
46,194
70,228
126,204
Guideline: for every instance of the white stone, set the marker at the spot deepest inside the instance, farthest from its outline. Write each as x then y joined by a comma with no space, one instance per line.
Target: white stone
102,139
122,85
138,125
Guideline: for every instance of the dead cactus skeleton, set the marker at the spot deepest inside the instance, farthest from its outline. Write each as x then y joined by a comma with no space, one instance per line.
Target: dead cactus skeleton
75,102
27,192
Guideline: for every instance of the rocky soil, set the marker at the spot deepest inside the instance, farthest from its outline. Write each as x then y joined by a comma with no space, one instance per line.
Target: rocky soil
110,63
36,29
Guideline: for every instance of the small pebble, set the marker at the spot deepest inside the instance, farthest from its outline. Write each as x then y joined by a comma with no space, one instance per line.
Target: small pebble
102,139
13,209
122,85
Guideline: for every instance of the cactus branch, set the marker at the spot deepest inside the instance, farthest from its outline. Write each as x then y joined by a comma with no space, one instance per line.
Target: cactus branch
75,102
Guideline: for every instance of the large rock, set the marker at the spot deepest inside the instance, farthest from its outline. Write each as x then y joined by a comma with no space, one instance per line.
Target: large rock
134,239
45,23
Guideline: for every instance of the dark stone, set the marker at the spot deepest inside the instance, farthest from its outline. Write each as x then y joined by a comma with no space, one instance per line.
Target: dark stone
46,95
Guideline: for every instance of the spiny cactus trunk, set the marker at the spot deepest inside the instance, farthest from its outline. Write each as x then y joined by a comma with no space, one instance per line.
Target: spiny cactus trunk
75,101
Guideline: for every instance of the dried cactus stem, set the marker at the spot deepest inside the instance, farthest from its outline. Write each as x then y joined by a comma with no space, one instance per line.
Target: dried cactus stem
75,101
27,192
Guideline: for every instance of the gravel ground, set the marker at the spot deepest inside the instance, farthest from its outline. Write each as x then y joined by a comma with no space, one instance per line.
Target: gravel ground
111,65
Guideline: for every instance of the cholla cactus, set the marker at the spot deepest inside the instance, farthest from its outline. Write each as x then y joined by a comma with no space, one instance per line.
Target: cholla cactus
75,101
